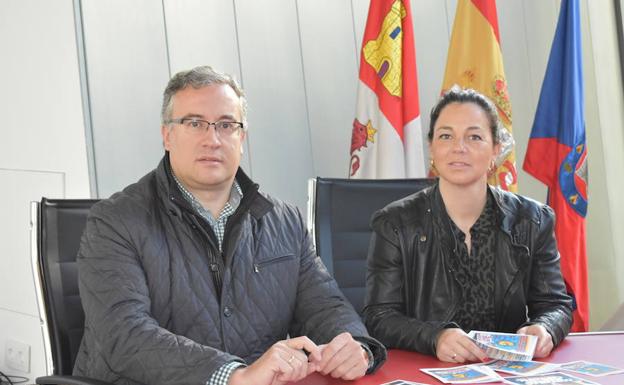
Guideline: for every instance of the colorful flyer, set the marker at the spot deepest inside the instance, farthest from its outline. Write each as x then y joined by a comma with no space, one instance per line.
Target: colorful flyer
402,382
505,346
591,368
463,374
554,378
522,368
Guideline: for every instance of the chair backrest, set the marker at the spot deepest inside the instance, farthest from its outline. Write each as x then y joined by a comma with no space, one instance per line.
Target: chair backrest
57,226
339,212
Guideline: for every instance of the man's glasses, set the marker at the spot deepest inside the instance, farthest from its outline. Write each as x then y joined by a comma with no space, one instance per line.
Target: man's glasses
223,128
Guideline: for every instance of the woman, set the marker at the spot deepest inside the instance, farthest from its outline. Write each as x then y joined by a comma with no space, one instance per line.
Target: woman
461,255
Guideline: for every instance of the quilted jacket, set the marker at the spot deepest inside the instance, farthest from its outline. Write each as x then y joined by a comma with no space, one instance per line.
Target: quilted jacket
164,306
412,292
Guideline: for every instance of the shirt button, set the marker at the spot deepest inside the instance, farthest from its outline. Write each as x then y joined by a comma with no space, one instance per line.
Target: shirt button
227,312
423,238
214,267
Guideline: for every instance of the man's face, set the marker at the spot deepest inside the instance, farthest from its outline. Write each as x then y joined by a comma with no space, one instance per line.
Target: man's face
204,161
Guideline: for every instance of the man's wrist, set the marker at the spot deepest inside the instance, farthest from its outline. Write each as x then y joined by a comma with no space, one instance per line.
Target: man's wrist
236,376
223,375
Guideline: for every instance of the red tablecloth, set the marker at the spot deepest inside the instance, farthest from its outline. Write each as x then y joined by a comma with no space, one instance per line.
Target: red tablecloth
604,348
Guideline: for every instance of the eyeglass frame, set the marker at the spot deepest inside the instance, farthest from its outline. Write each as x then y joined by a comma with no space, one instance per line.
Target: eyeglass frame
240,125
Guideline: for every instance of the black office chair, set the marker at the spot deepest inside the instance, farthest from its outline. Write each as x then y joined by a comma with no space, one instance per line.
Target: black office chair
57,225
339,212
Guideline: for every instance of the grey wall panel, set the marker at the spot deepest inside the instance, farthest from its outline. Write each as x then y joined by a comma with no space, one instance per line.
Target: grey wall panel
525,55
127,71
203,32
42,122
279,138
431,40
331,75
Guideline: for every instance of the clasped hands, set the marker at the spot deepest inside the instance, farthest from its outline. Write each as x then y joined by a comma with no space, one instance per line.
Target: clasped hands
286,361
454,345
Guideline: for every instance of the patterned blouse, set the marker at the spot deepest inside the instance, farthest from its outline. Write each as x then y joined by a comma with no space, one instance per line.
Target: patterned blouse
475,271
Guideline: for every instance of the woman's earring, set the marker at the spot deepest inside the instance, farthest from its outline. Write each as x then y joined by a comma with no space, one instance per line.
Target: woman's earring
492,167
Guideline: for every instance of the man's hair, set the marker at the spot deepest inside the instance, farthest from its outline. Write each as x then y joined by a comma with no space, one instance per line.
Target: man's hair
199,77
468,95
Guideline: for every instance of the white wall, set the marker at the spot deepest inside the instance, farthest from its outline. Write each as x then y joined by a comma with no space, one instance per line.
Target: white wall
298,62
43,148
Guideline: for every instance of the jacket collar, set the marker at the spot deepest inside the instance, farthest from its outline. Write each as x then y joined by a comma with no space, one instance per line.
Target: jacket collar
172,197
506,212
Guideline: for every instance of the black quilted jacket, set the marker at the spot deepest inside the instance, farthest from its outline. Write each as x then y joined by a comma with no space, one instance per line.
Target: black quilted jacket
162,306
412,292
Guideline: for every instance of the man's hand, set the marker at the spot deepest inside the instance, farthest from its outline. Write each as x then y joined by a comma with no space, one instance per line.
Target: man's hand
544,339
454,345
343,358
284,361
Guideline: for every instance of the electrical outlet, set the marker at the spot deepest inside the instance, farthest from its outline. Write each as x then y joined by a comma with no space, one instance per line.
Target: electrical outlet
17,355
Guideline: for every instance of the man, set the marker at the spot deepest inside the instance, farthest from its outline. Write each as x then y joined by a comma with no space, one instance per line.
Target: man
193,276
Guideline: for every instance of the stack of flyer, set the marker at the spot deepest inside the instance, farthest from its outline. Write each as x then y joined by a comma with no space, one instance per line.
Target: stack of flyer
554,378
464,374
505,346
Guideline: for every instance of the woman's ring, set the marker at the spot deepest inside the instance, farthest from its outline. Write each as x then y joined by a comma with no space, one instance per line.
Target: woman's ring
290,360
454,356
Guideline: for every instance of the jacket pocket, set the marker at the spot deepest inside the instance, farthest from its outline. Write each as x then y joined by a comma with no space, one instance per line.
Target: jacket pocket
263,264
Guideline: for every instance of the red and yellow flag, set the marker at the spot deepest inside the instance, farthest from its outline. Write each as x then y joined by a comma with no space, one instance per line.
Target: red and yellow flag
475,61
386,141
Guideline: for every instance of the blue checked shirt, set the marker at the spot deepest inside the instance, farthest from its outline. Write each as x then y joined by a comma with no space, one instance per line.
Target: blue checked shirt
222,375
218,225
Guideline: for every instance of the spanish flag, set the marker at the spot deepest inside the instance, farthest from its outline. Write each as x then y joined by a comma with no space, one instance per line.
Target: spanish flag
386,139
475,61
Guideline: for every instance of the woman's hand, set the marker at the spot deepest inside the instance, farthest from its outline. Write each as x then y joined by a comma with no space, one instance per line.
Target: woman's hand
454,345
544,339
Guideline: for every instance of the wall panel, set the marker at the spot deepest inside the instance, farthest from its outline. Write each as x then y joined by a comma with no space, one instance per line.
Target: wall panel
272,72
331,77
605,140
43,149
203,32
431,39
42,121
127,71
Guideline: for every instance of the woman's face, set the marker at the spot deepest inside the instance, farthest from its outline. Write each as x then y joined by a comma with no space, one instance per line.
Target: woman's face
462,147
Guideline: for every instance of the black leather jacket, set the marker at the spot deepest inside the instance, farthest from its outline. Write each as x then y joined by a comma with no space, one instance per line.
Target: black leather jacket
412,293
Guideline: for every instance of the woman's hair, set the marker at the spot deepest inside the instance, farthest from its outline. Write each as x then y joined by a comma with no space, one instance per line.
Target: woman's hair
468,95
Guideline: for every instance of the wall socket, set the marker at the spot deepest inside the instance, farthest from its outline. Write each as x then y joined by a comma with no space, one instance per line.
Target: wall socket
17,355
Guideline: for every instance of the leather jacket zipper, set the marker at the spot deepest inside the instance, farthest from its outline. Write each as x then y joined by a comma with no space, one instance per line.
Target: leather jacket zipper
515,280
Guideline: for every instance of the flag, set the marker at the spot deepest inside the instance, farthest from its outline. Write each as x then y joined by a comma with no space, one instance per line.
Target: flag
386,141
475,61
557,156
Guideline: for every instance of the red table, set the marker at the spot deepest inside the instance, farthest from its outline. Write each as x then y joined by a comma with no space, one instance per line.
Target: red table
604,348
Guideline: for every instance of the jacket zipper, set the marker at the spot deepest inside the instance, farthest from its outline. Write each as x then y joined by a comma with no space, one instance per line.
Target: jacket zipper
260,265
215,266
514,281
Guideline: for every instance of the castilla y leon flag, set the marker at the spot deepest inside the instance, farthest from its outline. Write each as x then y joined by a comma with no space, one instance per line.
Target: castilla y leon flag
475,61
386,141
557,156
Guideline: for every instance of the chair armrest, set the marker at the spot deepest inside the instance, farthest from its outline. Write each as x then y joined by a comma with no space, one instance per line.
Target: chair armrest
68,380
